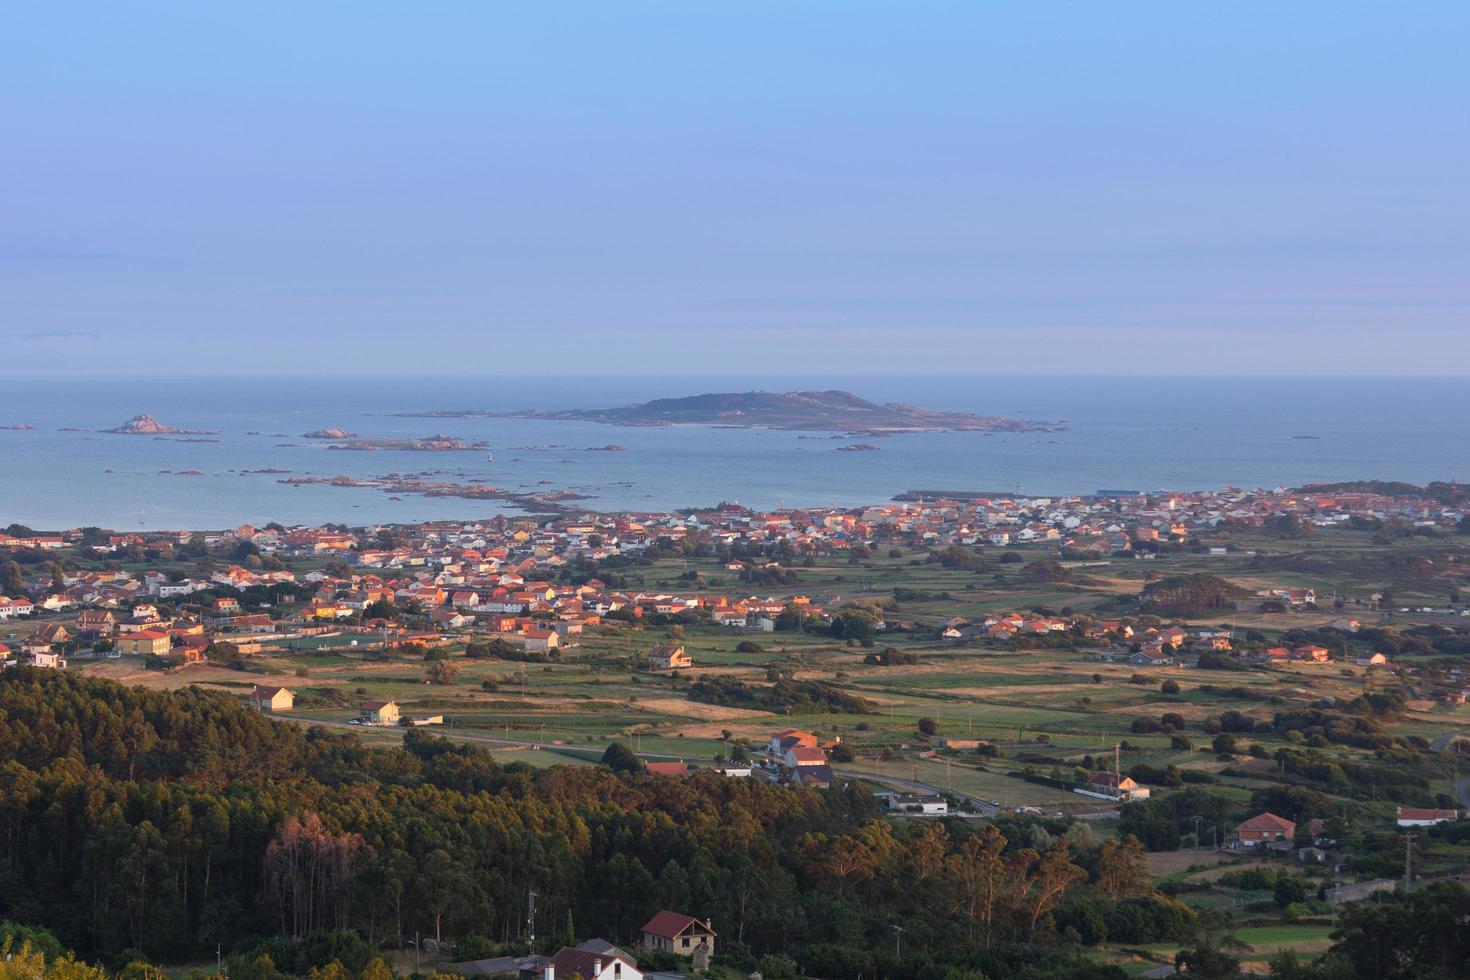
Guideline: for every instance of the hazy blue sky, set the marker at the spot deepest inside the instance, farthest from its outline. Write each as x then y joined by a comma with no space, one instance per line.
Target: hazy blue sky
484,187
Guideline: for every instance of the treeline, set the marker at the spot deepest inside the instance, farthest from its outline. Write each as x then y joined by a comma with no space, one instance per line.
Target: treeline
1190,595
172,822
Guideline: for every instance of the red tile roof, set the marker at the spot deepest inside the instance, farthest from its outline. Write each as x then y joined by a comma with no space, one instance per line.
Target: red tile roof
1267,822
667,925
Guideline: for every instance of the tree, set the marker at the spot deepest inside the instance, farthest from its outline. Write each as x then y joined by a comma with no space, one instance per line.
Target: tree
1407,937
619,758
310,872
928,726
1047,882
1169,686
1207,959
977,874
1122,869
442,671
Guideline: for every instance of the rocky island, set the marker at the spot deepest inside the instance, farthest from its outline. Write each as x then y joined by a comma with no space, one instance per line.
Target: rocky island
811,410
437,443
329,434
147,425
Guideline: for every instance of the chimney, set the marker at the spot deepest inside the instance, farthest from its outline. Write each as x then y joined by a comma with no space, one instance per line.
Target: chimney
597,967
548,972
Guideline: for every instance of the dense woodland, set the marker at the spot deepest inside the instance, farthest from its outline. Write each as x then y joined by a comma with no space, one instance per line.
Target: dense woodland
170,823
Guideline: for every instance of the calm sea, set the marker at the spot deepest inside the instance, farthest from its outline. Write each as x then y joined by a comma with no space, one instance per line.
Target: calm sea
1125,433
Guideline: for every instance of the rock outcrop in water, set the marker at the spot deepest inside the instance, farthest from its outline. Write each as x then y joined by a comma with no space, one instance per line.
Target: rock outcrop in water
147,425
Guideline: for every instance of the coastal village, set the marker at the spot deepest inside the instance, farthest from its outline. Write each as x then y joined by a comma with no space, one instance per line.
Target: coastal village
551,592
508,578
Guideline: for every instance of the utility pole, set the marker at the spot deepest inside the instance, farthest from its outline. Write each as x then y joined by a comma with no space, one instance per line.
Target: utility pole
897,941
1197,821
1408,865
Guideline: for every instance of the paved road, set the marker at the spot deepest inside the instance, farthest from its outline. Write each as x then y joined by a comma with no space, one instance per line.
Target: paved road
1442,743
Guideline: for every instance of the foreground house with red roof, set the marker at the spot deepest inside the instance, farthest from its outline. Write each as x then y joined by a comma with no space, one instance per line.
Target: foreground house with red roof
680,934
593,960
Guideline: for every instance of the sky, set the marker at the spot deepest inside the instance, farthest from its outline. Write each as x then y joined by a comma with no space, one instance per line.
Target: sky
695,187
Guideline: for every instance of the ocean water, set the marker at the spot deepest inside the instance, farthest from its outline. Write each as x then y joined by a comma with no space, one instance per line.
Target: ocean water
1144,433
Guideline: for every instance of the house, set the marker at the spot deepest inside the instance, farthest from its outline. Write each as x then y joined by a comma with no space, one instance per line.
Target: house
16,606
927,806
530,967
1264,828
1374,660
253,623
782,741
51,633
801,755
451,619
272,698
1420,817
380,713
679,934
542,640
667,656
1116,787
817,777
155,642
99,621
668,768
1151,658
1311,653
600,961
48,660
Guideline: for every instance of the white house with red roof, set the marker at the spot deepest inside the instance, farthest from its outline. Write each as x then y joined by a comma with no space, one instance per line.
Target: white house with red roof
1409,816
595,960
